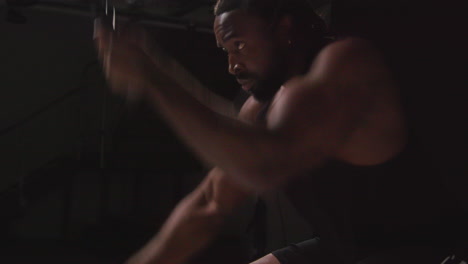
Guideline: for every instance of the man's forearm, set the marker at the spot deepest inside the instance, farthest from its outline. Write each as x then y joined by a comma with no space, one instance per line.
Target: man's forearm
190,228
245,152
196,221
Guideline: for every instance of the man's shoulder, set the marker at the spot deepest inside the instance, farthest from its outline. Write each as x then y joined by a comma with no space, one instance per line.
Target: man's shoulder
249,111
351,68
350,59
350,42
348,48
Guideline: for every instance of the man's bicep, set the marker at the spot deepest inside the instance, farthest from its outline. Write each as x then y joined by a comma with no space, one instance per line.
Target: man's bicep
311,125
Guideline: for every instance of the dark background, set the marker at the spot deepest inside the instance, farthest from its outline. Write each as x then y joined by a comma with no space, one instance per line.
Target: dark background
86,177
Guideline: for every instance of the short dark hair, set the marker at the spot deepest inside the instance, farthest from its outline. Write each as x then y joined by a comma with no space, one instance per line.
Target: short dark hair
302,11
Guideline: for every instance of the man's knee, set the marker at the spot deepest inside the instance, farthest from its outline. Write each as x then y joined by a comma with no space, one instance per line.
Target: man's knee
268,259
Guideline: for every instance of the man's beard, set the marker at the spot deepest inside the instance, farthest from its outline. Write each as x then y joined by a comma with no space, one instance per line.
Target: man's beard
264,89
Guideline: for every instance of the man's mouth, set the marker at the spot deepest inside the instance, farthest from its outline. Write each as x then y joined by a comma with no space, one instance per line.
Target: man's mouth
246,84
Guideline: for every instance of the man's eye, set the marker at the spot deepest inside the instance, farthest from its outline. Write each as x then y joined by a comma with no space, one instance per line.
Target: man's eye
239,45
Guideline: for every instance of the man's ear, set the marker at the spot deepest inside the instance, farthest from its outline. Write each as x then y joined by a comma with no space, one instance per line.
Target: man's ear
285,30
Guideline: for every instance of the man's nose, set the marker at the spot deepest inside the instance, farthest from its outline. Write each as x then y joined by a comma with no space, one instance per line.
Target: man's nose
235,67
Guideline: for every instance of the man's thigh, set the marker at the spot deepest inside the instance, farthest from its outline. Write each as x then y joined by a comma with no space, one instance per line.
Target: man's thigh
268,259
307,252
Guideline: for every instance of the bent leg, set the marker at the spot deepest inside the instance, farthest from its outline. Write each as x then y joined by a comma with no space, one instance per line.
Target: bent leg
301,253
268,259
307,252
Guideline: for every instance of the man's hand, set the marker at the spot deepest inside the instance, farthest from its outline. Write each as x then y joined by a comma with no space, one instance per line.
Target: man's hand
191,234
128,67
